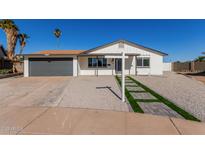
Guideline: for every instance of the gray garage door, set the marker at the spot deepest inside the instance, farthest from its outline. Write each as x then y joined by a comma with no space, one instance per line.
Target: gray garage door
50,66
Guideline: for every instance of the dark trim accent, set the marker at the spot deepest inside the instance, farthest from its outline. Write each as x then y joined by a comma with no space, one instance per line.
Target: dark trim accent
96,57
45,55
143,62
50,59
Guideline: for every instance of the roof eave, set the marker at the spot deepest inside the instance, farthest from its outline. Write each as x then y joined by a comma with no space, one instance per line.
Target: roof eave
46,55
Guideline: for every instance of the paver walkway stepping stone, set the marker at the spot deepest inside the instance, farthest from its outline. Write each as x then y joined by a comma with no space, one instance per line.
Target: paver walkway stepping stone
130,84
158,109
147,102
142,95
135,89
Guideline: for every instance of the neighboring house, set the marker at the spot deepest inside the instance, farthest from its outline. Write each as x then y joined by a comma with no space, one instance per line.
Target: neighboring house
2,57
3,54
102,60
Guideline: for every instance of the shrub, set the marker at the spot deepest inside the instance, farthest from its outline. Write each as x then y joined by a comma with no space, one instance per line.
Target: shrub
5,71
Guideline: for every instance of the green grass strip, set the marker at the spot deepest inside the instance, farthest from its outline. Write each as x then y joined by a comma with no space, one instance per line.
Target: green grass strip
131,85
180,111
137,91
133,103
148,100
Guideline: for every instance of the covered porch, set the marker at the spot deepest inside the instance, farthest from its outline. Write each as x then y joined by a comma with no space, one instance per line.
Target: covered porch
107,64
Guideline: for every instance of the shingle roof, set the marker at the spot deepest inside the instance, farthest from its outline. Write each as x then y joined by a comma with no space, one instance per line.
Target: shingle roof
60,52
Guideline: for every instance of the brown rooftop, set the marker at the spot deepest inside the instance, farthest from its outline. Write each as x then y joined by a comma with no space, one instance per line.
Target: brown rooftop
60,52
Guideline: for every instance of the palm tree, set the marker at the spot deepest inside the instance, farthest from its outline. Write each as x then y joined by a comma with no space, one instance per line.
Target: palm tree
22,41
11,31
57,32
200,58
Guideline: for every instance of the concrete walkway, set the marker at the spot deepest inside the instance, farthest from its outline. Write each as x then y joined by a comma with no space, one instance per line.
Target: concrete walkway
61,120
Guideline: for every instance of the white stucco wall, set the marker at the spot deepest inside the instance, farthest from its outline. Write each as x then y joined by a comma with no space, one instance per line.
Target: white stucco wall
25,72
75,66
85,70
109,70
80,63
156,62
167,66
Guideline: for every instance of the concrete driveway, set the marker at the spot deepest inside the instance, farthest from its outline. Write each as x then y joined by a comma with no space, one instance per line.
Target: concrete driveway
51,106
77,92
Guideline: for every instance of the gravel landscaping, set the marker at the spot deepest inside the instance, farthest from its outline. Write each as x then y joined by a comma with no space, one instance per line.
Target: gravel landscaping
185,92
145,100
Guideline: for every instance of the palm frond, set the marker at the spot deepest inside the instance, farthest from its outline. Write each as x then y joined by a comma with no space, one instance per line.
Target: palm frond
8,24
57,32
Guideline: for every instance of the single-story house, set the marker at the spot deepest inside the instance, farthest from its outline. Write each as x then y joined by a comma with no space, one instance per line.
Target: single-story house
3,53
102,60
4,63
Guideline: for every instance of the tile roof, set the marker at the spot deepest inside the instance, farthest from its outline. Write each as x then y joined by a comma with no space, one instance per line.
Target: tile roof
60,52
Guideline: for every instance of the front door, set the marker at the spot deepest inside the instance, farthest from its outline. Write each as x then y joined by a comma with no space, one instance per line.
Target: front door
118,65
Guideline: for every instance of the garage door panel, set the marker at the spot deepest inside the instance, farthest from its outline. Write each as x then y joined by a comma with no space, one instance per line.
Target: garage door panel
51,66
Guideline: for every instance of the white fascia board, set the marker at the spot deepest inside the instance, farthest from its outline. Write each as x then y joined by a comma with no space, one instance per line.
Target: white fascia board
115,57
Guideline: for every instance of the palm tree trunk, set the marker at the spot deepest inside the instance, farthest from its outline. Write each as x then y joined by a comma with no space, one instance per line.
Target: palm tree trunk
11,35
58,43
21,50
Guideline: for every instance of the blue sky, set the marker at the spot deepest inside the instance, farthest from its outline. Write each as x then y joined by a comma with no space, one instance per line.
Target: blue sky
181,39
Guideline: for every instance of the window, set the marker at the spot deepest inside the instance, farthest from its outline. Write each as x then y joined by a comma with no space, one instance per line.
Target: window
146,62
104,62
97,62
100,62
143,62
139,62
94,62
89,62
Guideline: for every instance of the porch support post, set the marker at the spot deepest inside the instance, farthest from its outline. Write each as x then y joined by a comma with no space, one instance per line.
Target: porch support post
123,76
97,65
